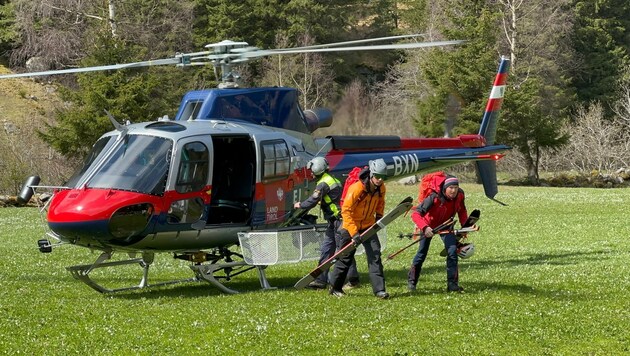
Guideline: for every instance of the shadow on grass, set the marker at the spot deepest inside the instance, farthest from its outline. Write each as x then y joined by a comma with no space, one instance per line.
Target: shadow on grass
560,258
398,277
486,287
202,289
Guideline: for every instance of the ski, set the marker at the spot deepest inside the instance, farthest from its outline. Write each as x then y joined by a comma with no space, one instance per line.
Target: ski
400,209
472,218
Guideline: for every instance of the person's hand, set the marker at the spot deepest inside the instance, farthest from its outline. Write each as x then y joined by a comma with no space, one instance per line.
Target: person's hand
296,205
428,232
356,239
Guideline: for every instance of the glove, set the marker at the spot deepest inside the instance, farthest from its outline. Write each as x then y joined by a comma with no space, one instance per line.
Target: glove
356,239
428,232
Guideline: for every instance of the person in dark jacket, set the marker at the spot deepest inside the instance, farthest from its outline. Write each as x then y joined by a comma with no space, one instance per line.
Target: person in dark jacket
434,210
327,193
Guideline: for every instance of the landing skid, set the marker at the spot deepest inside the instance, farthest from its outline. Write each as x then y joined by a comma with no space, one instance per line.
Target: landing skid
230,268
82,272
206,273
203,272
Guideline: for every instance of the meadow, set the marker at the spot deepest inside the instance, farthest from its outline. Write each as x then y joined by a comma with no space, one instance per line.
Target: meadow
550,276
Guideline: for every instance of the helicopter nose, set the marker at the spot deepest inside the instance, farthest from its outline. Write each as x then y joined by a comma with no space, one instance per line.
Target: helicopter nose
99,215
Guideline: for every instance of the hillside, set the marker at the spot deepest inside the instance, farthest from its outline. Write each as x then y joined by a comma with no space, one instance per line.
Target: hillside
25,105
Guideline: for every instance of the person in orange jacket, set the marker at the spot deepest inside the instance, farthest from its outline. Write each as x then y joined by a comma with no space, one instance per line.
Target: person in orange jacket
363,205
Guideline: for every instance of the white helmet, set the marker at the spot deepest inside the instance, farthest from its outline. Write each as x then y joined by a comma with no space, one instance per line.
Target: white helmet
466,250
317,165
378,167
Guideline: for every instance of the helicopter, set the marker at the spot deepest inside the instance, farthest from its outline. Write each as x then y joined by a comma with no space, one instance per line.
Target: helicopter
226,172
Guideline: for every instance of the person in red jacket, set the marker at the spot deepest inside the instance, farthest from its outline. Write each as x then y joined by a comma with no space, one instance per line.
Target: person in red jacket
434,210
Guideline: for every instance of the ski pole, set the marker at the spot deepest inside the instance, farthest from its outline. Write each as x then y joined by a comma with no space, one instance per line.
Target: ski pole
446,224
461,231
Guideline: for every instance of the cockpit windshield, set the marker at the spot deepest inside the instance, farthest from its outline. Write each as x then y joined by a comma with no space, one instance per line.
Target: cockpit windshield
100,147
139,164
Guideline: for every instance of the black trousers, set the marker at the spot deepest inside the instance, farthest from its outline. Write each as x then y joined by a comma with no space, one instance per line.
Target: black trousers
375,265
328,248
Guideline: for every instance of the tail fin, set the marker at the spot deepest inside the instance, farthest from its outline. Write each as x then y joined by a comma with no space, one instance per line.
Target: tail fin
488,169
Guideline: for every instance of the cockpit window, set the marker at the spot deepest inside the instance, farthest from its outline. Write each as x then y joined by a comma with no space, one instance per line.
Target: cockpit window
139,164
98,148
193,168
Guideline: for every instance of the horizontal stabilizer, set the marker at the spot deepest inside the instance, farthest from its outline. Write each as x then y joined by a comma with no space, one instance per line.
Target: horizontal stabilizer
493,157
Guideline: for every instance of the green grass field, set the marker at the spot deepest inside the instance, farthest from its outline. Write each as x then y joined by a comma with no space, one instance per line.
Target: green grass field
550,276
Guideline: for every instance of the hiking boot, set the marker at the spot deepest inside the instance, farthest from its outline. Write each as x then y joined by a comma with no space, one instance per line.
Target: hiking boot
455,288
337,293
382,295
352,285
317,285
411,287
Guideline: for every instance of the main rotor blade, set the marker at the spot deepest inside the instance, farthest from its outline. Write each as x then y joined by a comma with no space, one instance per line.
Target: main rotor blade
353,42
242,54
158,62
355,48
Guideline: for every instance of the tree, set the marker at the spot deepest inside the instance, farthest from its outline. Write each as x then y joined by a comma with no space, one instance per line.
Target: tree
259,23
308,72
134,95
600,40
537,101
8,30
596,144
461,75
61,32
89,33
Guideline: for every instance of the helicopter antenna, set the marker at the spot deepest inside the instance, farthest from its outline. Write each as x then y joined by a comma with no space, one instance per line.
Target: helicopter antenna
117,125
324,145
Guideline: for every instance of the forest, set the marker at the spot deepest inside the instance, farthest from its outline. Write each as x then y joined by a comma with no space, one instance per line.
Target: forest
566,109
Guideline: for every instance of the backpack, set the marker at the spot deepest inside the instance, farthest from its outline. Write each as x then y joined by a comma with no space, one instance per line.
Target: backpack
430,183
353,176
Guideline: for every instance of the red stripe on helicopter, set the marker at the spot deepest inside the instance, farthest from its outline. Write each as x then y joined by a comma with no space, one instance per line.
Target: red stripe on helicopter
95,204
333,158
494,105
500,79
460,141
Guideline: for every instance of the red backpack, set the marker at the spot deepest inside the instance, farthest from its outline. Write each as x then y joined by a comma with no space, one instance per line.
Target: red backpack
353,176
430,183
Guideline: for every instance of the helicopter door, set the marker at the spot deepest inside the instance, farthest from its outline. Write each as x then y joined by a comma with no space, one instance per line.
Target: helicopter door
233,180
277,182
191,191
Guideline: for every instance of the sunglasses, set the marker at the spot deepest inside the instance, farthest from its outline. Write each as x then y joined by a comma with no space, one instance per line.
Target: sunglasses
380,176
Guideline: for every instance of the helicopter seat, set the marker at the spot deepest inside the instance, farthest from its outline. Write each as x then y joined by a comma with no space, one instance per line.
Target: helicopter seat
231,202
